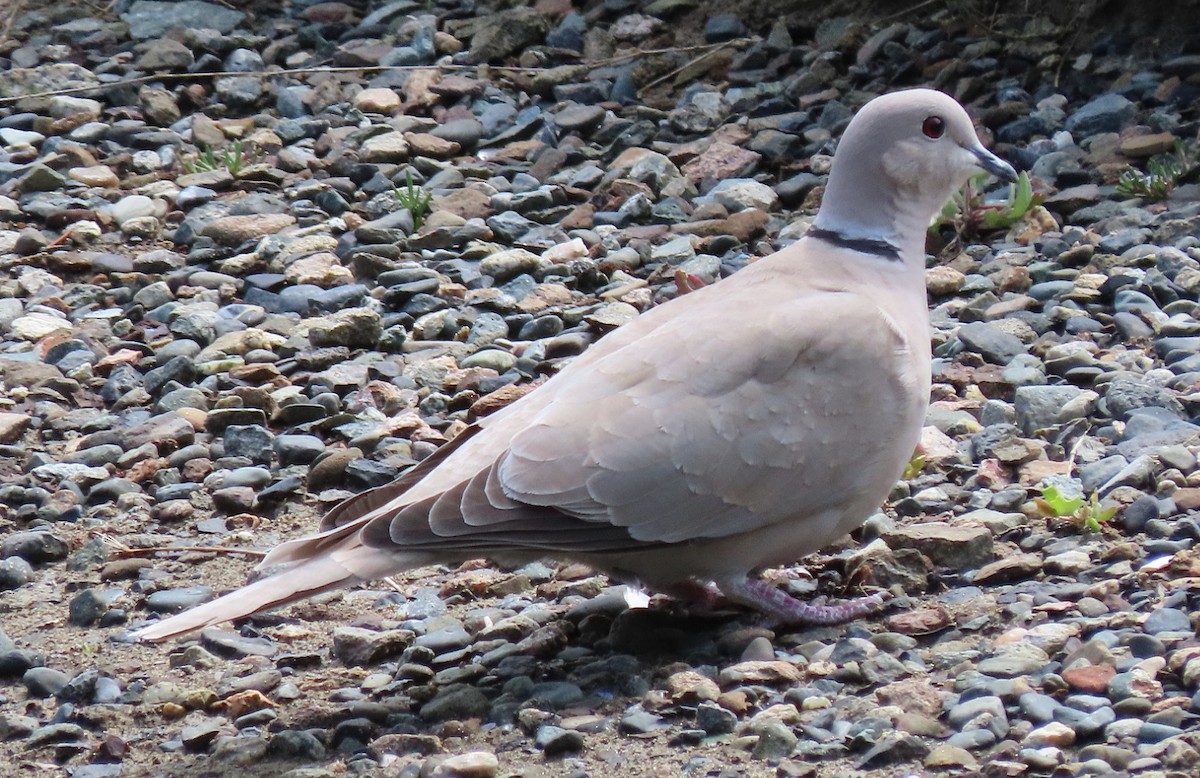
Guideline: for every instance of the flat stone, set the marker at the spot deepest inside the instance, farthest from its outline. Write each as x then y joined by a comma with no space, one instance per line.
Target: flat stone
235,230
474,764
151,18
1142,146
1013,568
945,544
1092,679
377,100
12,426
768,672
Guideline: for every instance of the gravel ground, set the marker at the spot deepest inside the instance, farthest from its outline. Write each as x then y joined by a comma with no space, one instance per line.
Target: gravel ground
218,318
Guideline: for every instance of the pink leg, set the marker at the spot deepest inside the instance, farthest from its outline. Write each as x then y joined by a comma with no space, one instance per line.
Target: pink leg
773,601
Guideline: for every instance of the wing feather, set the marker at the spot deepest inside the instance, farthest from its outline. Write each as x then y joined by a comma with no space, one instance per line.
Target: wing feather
702,427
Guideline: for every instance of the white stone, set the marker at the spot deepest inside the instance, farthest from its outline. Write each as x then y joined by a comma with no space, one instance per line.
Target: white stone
132,207
738,194
35,326
146,161
14,137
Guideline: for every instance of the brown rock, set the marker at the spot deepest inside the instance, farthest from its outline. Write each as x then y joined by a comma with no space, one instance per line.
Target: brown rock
494,401
943,280
579,219
950,756
12,426
427,145
235,230
206,132
1033,472
1187,499
95,175
1013,568
735,701
721,161
773,672
690,687
474,764
1142,146
404,744
377,100
467,203
919,622
879,565
328,470
123,568
388,147
1092,679
945,544
330,13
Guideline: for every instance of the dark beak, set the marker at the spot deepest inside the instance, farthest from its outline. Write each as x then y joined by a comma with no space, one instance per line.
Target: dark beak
993,164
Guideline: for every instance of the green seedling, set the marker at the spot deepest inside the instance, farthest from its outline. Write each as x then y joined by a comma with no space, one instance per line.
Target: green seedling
914,467
1163,174
231,158
970,216
1087,514
414,198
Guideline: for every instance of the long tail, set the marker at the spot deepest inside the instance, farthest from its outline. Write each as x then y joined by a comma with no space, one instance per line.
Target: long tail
353,563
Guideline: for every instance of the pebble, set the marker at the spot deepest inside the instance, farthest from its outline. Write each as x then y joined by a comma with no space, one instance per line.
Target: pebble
181,342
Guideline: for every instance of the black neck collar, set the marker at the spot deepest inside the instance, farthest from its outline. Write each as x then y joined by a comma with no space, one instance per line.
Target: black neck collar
878,248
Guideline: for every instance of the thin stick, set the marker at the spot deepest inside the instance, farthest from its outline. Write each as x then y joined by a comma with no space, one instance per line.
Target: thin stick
11,19
359,69
132,552
1075,450
682,67
906,11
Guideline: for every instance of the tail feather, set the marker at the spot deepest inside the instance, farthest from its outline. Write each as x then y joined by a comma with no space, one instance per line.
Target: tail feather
341,567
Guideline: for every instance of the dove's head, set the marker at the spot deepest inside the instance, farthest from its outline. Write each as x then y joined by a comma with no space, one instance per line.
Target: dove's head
901,158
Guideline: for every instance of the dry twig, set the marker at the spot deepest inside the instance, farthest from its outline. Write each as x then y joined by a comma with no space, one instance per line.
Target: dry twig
123,551
613,60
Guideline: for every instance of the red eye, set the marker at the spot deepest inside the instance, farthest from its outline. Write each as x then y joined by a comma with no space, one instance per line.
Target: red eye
933,127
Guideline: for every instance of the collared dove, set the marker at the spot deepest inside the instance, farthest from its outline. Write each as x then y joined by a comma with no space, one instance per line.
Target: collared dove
741,426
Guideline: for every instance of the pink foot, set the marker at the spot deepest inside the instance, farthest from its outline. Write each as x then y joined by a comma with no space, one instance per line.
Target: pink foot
775,602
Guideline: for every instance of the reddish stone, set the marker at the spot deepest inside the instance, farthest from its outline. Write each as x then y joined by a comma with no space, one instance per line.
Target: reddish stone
1091,679
919,622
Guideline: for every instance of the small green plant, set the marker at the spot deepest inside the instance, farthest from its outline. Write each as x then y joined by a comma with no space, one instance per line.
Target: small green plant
970,216
414,198
1163,174
232,158
915,466
1087,514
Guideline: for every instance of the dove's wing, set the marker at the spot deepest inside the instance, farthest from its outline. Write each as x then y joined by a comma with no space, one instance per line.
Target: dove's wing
708,425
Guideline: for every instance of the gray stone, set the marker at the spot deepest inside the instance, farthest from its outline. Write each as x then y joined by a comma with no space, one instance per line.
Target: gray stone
87,607
152,18
174,600
1126,393
992,343
36,547
357,646
1038,407
555,741
1106,113
249,440
456,702
1167,620
507,32
44,681
775,740
15,572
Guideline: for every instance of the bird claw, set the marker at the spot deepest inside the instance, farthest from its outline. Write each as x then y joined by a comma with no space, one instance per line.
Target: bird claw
779,604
